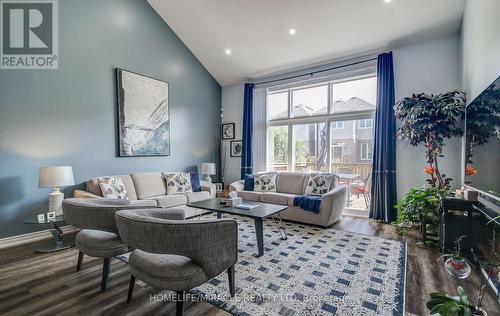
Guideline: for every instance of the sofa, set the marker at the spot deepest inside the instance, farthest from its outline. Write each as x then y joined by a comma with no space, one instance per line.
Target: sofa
150,189
291,184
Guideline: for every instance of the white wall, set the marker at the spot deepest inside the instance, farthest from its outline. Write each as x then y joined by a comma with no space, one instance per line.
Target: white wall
480,44
232,111
430,67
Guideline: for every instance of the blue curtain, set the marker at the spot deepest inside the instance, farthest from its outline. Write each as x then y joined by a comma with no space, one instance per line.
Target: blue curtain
383,188
246,154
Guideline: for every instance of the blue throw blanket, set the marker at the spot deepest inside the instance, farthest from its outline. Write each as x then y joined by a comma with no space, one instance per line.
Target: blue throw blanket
309,203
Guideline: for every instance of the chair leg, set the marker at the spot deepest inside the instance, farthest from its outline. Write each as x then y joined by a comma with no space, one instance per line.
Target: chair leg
230,276
131,288
79,261
105,274
179,303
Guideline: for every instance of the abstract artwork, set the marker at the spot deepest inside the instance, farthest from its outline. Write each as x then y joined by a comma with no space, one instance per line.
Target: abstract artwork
143,115
236,148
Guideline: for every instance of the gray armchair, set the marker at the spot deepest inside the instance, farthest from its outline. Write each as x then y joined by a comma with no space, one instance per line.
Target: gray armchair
99,235
177,255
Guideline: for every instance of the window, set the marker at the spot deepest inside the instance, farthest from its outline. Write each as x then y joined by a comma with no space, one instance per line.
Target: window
366,151
338,124
337,153
310,101
365,123
277,148
310,147
277,105
318,127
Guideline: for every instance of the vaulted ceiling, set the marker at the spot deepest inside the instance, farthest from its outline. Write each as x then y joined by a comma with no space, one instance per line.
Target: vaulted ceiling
257,32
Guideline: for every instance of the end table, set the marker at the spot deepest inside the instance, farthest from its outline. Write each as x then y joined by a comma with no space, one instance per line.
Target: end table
55,231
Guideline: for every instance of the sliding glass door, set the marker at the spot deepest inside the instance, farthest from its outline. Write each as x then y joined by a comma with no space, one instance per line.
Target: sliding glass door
325,127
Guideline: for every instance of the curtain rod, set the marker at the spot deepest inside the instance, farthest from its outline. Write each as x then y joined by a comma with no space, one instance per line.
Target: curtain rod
316,72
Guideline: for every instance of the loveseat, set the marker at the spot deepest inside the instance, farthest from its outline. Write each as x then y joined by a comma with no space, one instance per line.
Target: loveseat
149,189
291,184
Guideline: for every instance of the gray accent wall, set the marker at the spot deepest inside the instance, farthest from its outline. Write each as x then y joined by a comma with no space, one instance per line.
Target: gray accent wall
68,116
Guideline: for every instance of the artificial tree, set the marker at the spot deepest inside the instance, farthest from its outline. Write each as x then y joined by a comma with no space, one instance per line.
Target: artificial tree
430,119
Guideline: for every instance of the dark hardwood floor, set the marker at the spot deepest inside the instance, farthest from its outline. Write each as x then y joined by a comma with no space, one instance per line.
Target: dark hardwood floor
47,284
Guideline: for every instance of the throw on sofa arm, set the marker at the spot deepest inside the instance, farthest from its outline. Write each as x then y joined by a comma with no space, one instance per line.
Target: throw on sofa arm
209,187
333,202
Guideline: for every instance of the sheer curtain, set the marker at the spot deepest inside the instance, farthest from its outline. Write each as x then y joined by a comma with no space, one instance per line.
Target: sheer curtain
259,130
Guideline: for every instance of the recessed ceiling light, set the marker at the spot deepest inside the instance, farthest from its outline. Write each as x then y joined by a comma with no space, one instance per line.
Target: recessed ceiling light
387,1
227,51
291,31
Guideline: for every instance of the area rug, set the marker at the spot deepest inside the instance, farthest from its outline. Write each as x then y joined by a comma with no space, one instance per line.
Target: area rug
315,271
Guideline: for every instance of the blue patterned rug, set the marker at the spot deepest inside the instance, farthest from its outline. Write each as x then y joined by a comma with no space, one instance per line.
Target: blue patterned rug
314,272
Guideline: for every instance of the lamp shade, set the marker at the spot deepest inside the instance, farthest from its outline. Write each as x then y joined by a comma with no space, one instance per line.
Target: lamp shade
207,168
55,177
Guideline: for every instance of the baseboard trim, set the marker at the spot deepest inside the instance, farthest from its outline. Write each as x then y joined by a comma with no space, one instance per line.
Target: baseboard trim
8,242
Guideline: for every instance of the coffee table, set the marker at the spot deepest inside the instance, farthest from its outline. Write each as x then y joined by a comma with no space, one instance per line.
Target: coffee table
263,211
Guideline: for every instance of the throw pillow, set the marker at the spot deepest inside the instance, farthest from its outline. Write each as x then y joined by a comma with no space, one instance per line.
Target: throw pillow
178,183
112,188
249,182
319,184
195,182
265,182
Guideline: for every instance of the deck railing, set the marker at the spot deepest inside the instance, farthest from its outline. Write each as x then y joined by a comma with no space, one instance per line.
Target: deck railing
362,169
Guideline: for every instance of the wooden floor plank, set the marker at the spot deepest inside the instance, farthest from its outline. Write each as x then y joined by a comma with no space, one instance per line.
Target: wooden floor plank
47,284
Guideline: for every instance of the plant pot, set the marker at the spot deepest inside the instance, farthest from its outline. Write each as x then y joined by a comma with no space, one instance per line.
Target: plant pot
457,267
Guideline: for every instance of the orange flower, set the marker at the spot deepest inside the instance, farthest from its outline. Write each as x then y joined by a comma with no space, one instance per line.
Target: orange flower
429,170
470,171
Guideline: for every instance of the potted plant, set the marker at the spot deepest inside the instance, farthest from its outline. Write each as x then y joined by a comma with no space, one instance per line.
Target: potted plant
447,305
428,120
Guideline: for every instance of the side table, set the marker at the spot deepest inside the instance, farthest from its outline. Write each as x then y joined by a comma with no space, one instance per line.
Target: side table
55,231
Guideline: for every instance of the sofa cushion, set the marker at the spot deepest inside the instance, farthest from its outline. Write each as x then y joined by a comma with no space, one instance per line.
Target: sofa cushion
149,184
277,198
249,195
178,183
291,182
113,188
92,186
265,182
169,200
143,202
198,196
319,184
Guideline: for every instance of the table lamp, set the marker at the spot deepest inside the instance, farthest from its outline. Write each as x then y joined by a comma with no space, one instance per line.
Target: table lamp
56,177
208,168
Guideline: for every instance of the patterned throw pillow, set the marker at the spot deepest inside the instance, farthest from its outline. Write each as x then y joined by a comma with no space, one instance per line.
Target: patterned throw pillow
178,183
319,184
112,188
264,182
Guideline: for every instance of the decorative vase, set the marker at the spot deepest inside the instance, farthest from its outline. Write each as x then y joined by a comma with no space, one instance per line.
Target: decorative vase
457,267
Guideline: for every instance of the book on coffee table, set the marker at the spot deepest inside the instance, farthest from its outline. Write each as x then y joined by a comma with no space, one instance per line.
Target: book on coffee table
244,206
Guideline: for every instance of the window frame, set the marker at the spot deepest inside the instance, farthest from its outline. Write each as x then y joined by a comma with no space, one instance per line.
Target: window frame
367,152
365,120
327,118
336,127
